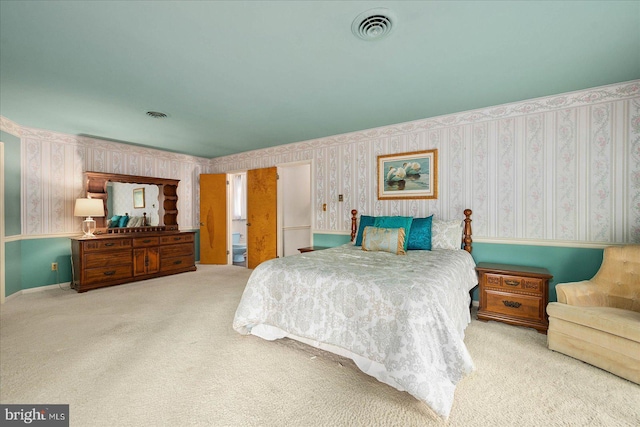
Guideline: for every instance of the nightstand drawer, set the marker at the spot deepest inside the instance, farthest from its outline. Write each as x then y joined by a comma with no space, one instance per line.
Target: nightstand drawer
525,306
526,284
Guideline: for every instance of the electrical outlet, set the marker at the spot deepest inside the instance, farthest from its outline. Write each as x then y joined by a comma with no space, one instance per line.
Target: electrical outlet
54,266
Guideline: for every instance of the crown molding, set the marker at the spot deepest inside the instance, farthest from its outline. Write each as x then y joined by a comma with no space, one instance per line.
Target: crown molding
10,126
24,132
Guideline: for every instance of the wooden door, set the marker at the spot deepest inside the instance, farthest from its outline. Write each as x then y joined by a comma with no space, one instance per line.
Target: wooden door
262,227
213,219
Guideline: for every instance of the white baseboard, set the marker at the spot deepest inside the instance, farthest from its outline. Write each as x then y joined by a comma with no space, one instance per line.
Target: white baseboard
64,285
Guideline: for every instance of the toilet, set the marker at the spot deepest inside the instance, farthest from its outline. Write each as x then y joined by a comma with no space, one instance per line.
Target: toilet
238,249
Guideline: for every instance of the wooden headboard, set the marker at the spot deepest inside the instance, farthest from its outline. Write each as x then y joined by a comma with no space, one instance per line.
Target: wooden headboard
466,237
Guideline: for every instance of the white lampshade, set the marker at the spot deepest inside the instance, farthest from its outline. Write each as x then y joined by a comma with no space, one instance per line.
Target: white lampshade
89,208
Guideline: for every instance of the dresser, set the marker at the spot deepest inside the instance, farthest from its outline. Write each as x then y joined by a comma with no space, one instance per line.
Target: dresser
108,260
514,294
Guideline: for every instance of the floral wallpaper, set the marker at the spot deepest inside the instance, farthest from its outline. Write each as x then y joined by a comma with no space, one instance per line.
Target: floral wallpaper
53,168
563,168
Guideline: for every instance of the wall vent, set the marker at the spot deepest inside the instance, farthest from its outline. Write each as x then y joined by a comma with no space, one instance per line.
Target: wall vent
156,114
374,24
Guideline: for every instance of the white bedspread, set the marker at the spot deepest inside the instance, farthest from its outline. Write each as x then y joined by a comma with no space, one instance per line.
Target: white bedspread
405,314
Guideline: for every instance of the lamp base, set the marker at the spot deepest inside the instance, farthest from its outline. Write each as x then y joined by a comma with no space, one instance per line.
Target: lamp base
88,227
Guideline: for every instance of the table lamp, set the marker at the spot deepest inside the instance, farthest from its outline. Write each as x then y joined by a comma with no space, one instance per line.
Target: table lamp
89,208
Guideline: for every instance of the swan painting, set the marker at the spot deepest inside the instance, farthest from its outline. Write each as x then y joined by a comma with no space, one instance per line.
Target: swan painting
396,174
410,175
412,168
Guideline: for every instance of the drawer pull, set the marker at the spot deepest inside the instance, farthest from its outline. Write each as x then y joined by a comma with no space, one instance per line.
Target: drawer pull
109,244
177,239
512,304
177,262
512,282
109,273
146,240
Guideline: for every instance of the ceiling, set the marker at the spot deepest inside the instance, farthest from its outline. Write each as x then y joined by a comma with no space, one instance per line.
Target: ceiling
241,75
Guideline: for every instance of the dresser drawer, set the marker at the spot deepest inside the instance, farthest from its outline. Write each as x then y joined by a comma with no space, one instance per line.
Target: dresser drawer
176,238
106,274
525,306
141,242
176,250
106,244
96,260
176,263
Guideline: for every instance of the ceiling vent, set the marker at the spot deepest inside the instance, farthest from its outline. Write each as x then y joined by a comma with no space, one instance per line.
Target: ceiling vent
156,114
374,24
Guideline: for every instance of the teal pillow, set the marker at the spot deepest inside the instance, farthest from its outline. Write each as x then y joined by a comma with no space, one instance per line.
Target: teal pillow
365,220
123,221
114,221
420,234
395,222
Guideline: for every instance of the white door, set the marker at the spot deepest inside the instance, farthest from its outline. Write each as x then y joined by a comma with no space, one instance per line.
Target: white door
294,208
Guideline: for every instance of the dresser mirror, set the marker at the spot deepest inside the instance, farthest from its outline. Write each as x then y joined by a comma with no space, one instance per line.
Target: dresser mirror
121,193
133,200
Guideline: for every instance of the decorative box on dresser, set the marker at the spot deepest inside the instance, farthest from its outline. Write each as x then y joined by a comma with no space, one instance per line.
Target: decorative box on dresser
114,259
514,294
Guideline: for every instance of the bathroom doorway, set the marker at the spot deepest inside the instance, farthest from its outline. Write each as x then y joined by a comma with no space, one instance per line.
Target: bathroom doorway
238,216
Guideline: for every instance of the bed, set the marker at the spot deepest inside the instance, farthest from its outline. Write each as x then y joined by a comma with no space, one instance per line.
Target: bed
400,318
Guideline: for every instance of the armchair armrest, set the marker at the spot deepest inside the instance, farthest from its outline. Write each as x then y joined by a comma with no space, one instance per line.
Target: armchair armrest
584,294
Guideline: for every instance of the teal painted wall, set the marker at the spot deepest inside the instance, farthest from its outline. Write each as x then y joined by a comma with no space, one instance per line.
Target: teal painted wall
13,264
37,256
330,240
566,264
12,226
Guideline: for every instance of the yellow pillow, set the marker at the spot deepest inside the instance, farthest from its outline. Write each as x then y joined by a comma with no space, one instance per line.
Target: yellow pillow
384,239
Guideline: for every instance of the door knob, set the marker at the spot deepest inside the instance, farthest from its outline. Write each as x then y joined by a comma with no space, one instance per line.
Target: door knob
248,224
202,224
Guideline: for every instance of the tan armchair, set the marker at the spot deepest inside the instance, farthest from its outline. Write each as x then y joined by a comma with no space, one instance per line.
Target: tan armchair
598,320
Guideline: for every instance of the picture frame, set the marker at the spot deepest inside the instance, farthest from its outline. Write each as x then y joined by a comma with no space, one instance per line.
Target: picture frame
411,175
138,198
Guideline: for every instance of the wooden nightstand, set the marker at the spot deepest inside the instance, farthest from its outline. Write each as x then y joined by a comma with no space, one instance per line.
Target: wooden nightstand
312,248
514,294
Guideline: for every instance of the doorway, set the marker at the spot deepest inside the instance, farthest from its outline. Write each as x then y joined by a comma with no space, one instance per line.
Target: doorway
294,208
263,216
238,215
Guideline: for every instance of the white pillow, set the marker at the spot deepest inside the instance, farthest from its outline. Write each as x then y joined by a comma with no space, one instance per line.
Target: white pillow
446,234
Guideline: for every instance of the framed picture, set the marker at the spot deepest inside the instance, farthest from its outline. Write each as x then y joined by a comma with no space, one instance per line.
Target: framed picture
138,198
408,176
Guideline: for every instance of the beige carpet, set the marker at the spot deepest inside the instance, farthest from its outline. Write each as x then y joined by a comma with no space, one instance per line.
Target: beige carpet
163,353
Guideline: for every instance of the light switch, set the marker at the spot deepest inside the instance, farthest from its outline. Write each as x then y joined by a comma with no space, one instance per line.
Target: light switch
340,198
